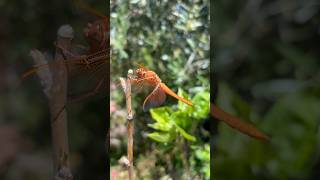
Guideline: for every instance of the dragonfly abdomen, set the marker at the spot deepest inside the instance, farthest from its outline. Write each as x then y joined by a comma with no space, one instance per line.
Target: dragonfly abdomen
173,94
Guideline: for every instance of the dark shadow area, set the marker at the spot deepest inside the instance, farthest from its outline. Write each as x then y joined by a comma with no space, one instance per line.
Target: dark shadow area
266,63
26,147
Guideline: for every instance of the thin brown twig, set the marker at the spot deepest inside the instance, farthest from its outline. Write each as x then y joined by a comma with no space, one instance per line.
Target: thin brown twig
126,85
55,87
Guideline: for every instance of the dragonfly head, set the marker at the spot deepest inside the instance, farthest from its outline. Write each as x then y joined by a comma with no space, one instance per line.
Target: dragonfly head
140,72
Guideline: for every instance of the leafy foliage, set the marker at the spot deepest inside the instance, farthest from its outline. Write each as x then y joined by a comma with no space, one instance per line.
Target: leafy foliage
171,121
174,124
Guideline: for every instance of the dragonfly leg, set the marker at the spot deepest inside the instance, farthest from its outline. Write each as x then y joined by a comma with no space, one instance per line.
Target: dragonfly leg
138,90
138,80
65,51
140,86
86,62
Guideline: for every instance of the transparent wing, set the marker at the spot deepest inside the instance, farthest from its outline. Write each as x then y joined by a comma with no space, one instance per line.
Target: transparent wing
154,99
90,83
85,79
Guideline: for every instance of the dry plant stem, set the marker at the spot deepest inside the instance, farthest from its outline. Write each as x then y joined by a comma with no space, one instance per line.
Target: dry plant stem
126,84
130,129
55,87
185,157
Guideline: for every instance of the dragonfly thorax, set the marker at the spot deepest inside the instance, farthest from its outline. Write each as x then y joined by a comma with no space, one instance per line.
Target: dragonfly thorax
148,76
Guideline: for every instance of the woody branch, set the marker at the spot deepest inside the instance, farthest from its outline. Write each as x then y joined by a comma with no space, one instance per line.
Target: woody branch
54,85
126,85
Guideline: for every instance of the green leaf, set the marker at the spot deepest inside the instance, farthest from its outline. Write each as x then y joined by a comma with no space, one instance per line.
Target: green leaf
161,114
134,1
162,118
160,137
185,134
203,153
182,119
182,105
170,121
191,43
201,105
161,126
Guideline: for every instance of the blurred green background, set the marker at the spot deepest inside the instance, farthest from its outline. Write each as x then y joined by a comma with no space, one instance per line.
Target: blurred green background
25,132
266,63
172,39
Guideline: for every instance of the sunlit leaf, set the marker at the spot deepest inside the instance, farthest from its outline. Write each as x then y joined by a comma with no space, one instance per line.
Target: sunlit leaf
201,105
185,134
161,115
160,137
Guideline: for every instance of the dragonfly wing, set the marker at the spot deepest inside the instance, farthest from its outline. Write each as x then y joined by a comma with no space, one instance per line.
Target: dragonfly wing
139,86
84,80
154,99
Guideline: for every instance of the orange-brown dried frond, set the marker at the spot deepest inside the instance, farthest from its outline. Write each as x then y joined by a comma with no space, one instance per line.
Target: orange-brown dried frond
237,123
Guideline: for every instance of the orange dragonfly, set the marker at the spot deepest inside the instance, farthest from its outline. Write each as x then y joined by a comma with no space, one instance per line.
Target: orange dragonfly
86,73
158,95
237,123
